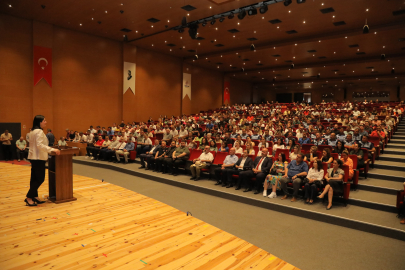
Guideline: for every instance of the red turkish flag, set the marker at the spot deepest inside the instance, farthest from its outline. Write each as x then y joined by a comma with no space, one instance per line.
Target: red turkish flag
42,64
227,95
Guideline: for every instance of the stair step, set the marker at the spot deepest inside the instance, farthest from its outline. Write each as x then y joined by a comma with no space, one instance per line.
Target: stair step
392,157
384,174
379,186
395,145
398,152
390,165
372,197
397,141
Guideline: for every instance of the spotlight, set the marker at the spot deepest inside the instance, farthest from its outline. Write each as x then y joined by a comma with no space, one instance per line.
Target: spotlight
184,22
292,65
263,9
252,11
287,2
383,57
204,23
196,57
213,21
252,47
125,38
392,71
300,1
318,76
221,19
181,30
242,69
192,30
231,16
242,14
366,29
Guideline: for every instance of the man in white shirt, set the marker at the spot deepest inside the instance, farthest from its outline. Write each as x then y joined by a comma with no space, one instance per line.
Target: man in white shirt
144,143
182,133
173,131
356,112
202,162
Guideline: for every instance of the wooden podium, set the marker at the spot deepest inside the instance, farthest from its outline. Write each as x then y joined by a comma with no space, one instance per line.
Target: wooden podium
60,175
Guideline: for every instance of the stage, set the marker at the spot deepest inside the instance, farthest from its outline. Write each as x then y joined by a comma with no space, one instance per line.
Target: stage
111,227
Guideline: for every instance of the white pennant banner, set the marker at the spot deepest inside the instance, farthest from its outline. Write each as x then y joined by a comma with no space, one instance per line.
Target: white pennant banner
187,85
129,76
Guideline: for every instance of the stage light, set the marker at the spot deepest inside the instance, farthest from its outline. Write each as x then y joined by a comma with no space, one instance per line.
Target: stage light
181,30
196,57
213,21
318,76
263,9
383,57
125,38
252,47
242,14
204,23
252,11
366,28
287,2
192,30
184,22
221,19
292,65
300,1
242,69
231,16
392,71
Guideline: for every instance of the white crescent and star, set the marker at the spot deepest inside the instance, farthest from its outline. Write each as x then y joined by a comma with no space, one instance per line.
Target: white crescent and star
42,59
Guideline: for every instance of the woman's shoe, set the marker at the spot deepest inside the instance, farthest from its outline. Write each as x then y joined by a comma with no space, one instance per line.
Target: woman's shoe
319,197
38,201
307,201
28,204
311,202
328,208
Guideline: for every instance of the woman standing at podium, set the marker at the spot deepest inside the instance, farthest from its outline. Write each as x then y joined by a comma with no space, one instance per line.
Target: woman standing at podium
38,155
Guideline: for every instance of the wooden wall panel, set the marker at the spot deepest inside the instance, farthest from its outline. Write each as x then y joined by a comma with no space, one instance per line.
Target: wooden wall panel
158,85
240,91
206,88
16,77
87,80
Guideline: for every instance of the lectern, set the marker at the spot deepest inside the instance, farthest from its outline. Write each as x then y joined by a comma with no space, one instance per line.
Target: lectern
60,175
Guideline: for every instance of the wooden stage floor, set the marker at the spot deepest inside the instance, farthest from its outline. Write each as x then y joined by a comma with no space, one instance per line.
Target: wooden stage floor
111,227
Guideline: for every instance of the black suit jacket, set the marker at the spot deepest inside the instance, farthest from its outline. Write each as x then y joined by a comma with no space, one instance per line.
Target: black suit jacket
248,163
266,164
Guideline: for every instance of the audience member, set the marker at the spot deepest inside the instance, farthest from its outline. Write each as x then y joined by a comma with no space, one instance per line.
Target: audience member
6,139
202,162
334,182
278,169
22,150
226,169
313,181
179,157
129,146
244,163
296,170
261,167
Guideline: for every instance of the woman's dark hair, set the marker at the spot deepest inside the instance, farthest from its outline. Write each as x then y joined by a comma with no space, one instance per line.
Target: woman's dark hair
282,157
320,166
36,124
327,150
339,162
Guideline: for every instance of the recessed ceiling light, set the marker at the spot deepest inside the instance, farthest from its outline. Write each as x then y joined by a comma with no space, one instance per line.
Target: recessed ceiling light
322,4
345,37
262,17
278,27
106,11
80,24
165,41
171,50
303,22
366,10
319,41
383,46
221,55
296,44
198,43
10,6
181,37
216,28
136,31
217,66
92,19
152,45
188,14
168,20
334,52
238,23
234,36
151,26
210,7
375,33
289,11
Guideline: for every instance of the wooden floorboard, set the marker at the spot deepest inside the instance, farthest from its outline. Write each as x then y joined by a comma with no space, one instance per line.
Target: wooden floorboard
111,227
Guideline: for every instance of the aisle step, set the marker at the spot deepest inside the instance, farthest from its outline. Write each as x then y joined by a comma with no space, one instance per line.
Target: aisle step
399,152
395,145
390,175
377,201
379,186
397,141
390,165
392,157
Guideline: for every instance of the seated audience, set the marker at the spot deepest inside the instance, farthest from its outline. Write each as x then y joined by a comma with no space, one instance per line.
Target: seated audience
312,156
223,174
339,148
223,148
278,169
202,162
179,157
238,149
296,151
296,171
129,146
150,156
62,142
261,167
244,163
313,181
334,182
327,157
349,162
